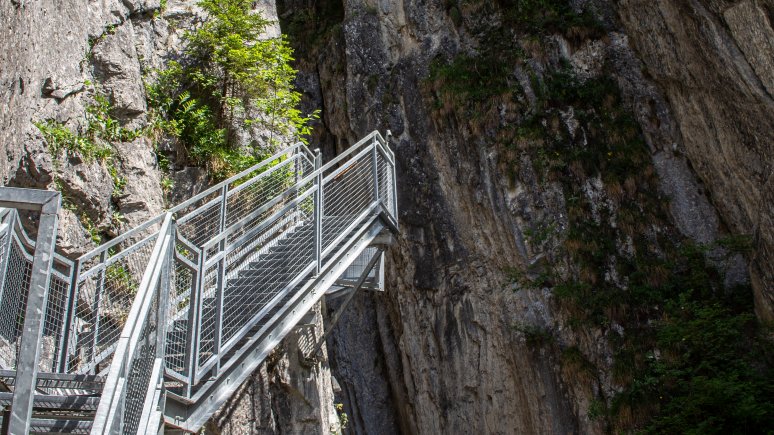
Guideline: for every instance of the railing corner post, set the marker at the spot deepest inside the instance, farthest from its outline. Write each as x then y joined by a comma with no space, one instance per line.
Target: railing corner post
375,168
318,211
34,318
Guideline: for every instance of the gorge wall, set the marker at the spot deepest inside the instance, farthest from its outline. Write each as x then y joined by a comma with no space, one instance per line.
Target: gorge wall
553,166
57,59
475,332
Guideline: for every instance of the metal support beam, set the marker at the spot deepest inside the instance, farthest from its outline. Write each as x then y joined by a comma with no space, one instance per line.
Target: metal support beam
221,283
340,311
375,168
27,361
318,211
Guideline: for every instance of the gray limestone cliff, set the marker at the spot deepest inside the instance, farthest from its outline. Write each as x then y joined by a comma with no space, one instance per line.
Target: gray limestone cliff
457,344
56,59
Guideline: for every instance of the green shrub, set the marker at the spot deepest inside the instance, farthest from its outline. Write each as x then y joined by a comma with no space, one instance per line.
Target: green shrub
227,72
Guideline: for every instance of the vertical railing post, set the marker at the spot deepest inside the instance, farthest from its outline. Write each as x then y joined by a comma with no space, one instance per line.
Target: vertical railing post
163,303
7,251
375,168
166,287
298,166
221,282
34,318
394,177
72,296
194,322
318,211
95,308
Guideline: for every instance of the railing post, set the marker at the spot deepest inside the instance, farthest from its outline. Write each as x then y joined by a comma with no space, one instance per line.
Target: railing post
163,305
221,282
298,167
318,211
95,307
7,251
63,364
375,167
394,178
194,322
166,285
34,318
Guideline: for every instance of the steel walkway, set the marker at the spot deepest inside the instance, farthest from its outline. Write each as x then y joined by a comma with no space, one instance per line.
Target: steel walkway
157,328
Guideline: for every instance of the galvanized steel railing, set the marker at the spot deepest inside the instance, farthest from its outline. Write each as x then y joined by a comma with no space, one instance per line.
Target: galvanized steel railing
178,287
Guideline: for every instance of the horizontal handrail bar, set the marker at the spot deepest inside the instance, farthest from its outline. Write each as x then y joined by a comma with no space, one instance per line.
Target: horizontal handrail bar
230,180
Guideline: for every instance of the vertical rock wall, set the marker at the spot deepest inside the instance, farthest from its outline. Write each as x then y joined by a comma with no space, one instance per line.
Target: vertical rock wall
450,346
713,60
54,58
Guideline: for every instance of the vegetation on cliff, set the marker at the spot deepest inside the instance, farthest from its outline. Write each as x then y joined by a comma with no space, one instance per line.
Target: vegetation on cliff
229,77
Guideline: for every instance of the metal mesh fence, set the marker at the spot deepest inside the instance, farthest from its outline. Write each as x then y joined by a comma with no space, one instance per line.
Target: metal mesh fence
14,300
258,213
347,194
355,269
203,223
53,331
104,294
140,369
183,283
385,170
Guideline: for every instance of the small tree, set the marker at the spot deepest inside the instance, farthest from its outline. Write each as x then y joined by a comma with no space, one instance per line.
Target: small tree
230,76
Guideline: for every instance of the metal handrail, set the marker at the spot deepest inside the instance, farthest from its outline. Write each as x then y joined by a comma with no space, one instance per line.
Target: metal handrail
127,345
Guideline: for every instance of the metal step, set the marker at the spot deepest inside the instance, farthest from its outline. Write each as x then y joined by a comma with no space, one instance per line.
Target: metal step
69,402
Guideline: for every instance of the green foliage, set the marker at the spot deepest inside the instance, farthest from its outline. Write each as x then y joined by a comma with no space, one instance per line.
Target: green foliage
704,333
228,75
102,127
60,138
343,418
549,16
737,243
91,229
472,80
93,143
535,336
709,377
118,277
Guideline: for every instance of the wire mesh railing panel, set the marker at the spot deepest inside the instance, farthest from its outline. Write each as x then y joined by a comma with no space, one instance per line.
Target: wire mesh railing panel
262,279
245,198
208,321
203,223
345,196
355,269
56,312
140,369
183,284
14,301
103,299
384,175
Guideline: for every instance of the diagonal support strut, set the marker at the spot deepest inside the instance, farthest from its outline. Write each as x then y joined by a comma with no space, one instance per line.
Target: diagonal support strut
340,311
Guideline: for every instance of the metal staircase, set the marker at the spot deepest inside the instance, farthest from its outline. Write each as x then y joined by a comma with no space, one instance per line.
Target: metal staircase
158,327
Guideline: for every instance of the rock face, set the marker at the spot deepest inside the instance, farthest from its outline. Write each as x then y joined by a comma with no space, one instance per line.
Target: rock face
450,347
287,394
713,62
54,60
